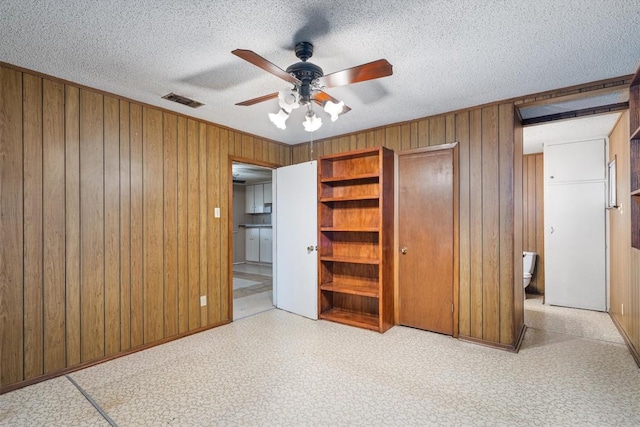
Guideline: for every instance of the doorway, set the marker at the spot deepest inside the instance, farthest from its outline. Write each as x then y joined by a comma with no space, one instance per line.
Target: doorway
252,257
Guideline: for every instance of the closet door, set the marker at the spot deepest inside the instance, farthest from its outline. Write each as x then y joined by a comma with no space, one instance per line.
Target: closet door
426,239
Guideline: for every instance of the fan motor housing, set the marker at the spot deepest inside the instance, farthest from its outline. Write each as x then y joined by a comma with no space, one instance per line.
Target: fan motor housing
305,71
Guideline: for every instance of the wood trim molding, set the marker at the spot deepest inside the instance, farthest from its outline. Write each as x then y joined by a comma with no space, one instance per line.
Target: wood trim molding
577,113
515,348
634,353
65,371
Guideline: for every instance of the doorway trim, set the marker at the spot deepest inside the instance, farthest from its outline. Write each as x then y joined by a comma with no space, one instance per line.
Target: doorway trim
230,161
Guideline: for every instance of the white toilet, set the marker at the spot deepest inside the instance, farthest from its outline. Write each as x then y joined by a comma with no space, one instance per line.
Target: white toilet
528,265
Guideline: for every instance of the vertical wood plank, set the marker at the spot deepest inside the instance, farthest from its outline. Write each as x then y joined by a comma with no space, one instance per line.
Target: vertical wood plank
112,224
475,229
518,297
183,211
464,311
11,223
525,203
193,239
450,128
213,243
361,141
392,138
247,146
380,137
204,223
531,202
423,133
54,225
153,209
273,148
125,228
353,143
335,146
414,134
490,225
437,130
237,144
405,136
33,277
225,210
506,164
135,146
72,222
170,138
91,225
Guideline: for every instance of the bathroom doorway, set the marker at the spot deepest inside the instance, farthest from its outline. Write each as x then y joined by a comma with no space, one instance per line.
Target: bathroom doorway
252,260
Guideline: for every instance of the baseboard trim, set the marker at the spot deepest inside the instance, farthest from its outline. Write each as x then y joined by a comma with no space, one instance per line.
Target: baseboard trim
627,340
65,371
513,348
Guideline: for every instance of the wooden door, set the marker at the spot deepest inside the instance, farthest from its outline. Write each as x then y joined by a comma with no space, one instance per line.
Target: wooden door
426,239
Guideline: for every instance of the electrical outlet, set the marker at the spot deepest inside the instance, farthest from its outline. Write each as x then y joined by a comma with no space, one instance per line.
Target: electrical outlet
203,300
216,212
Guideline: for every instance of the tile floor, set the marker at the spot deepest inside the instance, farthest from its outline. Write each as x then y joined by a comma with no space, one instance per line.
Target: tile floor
252,289
276,368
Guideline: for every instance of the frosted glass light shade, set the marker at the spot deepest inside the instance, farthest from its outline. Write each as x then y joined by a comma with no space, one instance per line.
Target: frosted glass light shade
311,122
333,109
279,119
288,100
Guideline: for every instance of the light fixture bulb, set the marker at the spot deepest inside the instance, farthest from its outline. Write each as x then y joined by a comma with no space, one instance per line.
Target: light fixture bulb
311,122
333,109
288,100
279,118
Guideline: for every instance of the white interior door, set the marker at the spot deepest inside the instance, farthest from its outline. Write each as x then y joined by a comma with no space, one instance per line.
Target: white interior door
295,239
575,227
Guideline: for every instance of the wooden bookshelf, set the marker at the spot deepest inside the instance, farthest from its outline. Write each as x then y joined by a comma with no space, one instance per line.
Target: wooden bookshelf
634,147
355,238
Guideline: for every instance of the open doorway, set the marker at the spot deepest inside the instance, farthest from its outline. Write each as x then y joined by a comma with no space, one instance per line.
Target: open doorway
252,239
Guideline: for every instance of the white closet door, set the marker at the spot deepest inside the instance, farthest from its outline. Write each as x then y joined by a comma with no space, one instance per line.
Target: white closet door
575,228
295,235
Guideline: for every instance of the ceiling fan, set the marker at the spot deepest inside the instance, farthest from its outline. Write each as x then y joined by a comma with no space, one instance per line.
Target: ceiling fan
309,82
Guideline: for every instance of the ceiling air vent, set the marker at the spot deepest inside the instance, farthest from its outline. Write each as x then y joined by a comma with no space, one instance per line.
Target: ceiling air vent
183,100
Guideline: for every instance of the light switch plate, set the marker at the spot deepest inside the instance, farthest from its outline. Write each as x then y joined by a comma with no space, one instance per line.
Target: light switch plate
203,300
216,212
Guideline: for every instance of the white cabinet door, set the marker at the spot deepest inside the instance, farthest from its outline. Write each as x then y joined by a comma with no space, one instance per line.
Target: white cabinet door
296,234
267,193
258,198
249,205
266,245
574,161
253,244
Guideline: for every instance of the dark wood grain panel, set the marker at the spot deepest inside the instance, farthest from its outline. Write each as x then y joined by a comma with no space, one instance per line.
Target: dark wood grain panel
32,255
203,220
183,248
11,212
193,233
462,136
450,127
437,130
53,174
423,133
490,225
213,243
405,136
153,208
539,272
111,225
518,294
507,194
414,134
475,221
393,138
136,188
72,222
125,227
91,225
225,225
170,141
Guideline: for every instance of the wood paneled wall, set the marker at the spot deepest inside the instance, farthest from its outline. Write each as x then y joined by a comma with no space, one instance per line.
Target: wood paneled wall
624,260
106,223
490,156
533,216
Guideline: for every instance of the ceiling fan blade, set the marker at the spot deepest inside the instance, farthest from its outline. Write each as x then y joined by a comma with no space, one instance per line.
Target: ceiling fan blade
361,73
258,99
321,97
259,61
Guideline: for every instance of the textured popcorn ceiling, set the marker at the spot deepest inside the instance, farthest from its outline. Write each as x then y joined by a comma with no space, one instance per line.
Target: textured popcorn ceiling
446,55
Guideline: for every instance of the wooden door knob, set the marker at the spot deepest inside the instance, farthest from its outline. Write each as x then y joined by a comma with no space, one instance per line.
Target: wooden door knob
404,250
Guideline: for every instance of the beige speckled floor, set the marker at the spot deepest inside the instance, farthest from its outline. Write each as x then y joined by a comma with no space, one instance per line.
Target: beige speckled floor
276,368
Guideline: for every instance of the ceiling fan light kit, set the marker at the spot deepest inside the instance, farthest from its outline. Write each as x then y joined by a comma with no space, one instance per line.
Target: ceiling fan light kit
309,83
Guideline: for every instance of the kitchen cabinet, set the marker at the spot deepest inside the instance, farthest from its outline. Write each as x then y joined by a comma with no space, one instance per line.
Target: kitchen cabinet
252,236
256,196
266,245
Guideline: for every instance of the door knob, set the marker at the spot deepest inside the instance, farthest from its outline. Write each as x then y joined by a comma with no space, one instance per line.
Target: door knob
404,250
